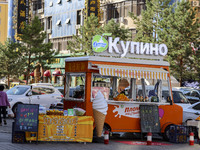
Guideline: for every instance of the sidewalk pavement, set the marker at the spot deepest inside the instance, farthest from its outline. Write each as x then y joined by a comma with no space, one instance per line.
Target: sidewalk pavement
6,144
7,128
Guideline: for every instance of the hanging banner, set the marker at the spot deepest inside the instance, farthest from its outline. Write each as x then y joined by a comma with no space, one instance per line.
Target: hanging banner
93,8
23,11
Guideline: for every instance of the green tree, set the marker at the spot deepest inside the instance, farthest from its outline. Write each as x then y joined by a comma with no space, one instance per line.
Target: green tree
82,43
117,31
34,50
176,26
11,63
195,63
148,24
180,29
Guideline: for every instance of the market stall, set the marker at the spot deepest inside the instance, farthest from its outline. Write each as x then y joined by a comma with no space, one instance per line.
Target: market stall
63,128
51,125
125,83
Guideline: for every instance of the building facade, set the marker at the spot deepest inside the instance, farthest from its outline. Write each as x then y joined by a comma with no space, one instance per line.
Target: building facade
3,20
62,19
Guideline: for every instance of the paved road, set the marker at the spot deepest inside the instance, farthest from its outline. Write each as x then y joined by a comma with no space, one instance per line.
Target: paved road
6,144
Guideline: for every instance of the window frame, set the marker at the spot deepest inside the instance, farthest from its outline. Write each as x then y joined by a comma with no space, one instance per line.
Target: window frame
67,90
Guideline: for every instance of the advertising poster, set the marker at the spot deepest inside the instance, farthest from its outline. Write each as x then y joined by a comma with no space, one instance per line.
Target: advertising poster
93,8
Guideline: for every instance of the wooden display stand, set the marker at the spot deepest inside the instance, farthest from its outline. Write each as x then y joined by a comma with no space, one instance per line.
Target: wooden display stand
63,128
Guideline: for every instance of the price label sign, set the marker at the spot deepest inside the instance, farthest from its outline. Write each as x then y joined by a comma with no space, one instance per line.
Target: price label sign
27,117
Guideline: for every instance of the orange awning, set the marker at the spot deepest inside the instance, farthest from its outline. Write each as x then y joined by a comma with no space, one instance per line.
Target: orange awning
133,72
57,73
32,74
47,73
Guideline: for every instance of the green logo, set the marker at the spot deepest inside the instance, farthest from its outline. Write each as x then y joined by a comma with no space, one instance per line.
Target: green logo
99,44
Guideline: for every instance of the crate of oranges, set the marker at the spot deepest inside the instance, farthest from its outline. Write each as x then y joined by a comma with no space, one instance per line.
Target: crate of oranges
55,112
121,97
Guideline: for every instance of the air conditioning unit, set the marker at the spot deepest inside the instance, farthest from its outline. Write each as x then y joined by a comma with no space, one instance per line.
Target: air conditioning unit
50,4
78,26
49,31
58,23
67,21
116,20
59,1
40,10
122,19
195,3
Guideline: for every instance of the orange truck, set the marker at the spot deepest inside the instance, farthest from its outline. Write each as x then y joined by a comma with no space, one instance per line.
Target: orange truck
114,75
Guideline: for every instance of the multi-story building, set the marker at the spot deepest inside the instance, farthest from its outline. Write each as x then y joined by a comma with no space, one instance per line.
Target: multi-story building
63,18
3,20
119,10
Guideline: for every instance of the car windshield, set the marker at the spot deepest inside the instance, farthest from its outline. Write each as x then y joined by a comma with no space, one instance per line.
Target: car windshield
178,96
17,90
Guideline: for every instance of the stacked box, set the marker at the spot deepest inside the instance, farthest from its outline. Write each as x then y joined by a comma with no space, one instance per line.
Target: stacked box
178,134
18,137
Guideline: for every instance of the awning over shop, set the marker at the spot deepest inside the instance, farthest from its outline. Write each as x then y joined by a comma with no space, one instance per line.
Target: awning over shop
32,74
57,73
133,72
47,73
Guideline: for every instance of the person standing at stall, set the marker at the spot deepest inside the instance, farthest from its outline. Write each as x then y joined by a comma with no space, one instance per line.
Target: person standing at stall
3,104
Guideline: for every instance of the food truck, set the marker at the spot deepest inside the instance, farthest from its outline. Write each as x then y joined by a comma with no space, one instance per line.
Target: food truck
123,71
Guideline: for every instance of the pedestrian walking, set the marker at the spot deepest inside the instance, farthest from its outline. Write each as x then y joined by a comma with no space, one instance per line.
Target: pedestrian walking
3,105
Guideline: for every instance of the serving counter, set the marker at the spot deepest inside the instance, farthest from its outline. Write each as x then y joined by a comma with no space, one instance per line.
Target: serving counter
63,128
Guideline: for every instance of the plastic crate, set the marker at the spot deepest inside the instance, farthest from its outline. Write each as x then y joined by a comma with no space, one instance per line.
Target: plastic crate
178,134
17,136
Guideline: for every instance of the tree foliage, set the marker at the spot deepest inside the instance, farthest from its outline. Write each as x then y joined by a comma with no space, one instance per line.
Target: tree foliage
12,62
33,48
180,32
176,26
117,30
148,24
82,43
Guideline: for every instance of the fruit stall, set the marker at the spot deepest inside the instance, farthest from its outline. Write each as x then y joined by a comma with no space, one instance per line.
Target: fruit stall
38,124
126,80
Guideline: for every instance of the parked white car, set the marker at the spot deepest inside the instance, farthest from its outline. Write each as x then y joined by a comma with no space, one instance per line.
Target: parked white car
178,97
193,96
43,84
31,94
191,112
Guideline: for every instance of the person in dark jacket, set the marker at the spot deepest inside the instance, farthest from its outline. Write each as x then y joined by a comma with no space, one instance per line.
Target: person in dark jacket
4,103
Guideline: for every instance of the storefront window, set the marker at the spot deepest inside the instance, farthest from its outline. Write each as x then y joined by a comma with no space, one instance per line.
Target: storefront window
75,89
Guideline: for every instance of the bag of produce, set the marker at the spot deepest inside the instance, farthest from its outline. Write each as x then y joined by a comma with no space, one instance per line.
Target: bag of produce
79,111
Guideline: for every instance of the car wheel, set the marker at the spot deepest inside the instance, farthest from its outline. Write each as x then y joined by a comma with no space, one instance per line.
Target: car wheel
166,135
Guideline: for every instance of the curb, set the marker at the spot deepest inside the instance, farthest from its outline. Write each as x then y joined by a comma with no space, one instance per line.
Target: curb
2,131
